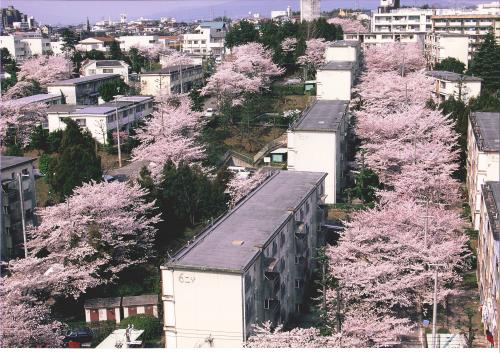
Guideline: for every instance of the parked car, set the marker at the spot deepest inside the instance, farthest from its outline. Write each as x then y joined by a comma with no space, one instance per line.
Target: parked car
81,335
210,112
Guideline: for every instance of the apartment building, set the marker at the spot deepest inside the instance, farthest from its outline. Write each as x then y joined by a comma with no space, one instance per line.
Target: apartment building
488,256
473,25
173,79
316,143
95,43
310,10
334,80
449,84
252,265
343,50
101,119
81,90
22,47
207,39
406,20
483,157
127,42
439,46
18,201
98,67
385,37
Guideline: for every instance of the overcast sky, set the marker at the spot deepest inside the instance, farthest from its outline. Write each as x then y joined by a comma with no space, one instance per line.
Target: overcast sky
76,11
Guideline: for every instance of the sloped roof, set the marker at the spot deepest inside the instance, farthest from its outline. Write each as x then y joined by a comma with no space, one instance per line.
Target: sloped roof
138,300
101,303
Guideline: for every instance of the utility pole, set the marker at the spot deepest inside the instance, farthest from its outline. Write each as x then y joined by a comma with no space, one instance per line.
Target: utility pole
434,313
118,133
23,221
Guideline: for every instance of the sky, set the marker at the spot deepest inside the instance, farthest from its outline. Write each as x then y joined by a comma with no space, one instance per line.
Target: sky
63,12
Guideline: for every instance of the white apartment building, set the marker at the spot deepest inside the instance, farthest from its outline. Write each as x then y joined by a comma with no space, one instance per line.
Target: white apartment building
385,37
173,79
253,265
488,257
342,50
405,20
97,67
81,90
207,39
23,47
310,10
449,84
334,80
472,24
127,42
316,143
439,46
101,119
56,47
94,43
483,157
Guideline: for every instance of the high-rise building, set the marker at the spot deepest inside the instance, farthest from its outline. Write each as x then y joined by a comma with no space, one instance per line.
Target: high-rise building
309,10
123,18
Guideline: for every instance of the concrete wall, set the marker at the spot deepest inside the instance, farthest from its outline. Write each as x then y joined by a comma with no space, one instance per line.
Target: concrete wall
454,47
154,84
333,84
199,305
341,54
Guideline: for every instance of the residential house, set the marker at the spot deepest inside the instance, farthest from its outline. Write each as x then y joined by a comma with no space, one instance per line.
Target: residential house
102,309
254,264
128,42
334,80
140,304
101,120
483,157
81,90
207,39
95,43
18,201
488,256
439,46
97,67
450,84
173,79
317,143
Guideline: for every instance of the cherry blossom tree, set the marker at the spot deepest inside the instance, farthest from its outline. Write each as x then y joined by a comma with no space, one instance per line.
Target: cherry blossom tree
170,134
289,44
175,58
314,56
238,187
26,324
399,57
348,25
150,52
85,241
43,70
18,119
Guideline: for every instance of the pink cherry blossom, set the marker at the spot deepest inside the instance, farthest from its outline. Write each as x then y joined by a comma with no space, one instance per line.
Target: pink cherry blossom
19,119
238,187
175,58
399,57
314,56
289,44
348,25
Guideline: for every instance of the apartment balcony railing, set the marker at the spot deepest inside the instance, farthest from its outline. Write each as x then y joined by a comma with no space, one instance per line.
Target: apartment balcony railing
456,23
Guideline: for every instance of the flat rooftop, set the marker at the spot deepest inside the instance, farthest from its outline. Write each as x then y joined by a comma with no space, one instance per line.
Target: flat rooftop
171,69
236,239
83,79
323,115
344,43
486,128
491,194
452,76
7,162
38,98
337,65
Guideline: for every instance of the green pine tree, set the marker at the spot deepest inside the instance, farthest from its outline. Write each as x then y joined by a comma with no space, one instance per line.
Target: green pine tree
486,63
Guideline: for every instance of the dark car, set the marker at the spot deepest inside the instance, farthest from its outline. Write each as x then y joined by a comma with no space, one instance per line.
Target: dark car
81,335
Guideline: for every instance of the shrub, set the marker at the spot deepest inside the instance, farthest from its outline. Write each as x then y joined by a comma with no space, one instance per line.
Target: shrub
148,323
43,162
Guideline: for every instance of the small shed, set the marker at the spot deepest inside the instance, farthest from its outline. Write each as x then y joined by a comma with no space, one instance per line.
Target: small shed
279,155
102,309
140,304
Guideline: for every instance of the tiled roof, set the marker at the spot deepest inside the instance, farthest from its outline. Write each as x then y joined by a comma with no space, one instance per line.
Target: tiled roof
138,300
102,303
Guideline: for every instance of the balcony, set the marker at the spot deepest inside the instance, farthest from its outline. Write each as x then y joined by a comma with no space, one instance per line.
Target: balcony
456,23
439,24
486,24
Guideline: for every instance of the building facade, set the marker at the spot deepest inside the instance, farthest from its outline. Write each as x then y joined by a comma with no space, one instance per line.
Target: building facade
97,67
100,120
81,90
102,309
483,157
488,257
127,42
343,50
317,143
404,20
449,84
252,265
310,10
95,43
439,46
207,39
18,201
173,79
334,80
23,47
385,37
146,304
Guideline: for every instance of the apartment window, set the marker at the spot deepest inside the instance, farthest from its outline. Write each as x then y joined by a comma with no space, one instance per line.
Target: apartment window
298,260
125,113
298,308
307,207
203,42
267,304
297,283
81,122
107,71
91,72
442,84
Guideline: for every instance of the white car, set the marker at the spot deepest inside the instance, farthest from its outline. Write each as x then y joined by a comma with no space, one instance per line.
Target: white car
210,112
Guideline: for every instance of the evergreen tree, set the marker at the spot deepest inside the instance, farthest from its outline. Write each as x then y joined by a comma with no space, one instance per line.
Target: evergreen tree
10,67
486,63
115,51
77,161
241,33
70,39
451,64
110,89
94,55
